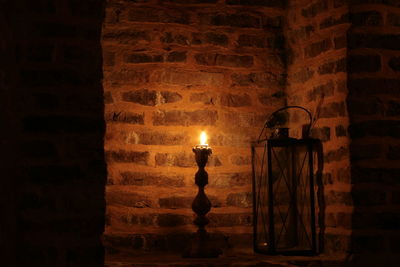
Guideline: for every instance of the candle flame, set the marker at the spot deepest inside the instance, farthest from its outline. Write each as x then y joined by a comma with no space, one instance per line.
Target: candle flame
203,138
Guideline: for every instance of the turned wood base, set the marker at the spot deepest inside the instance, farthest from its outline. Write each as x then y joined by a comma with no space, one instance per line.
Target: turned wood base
201,246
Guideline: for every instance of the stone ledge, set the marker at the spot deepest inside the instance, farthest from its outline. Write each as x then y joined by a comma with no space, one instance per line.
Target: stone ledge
237,260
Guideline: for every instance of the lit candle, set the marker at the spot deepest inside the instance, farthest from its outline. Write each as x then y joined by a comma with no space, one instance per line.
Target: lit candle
203,141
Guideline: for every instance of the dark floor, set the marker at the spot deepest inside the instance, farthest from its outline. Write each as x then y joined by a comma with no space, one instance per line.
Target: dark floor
237,260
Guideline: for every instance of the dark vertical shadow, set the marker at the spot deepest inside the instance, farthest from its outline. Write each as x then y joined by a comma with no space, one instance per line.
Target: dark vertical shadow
318,149
53,168
8,129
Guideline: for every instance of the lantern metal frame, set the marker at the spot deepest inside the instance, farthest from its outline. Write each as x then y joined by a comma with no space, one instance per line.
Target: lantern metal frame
288,185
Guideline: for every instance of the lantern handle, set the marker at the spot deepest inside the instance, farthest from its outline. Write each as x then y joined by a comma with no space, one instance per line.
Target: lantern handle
266,124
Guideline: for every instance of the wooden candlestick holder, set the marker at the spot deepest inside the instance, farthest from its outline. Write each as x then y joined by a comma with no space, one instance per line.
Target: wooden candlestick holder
201,246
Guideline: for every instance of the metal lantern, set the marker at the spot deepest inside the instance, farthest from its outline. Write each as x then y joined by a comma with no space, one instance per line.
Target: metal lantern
284,192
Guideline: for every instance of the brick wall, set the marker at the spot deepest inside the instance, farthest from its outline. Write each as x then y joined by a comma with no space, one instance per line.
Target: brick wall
172,69
373,101
53,169
317,77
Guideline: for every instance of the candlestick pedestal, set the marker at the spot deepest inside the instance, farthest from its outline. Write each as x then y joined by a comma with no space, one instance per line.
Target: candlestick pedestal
201,246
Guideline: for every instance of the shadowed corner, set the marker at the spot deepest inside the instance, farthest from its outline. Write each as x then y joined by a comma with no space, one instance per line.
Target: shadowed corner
53,150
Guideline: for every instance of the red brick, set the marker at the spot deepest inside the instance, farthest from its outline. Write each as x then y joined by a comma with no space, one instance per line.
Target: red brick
231,100
240,160
333,67
158,179
302,76
339,3
336,155
210,38
338,198
212,59
259,79
128,199
315,9
162,138
267,3
334,243
340,42
176,56
143,58
241,20
185,118
273,23
142,220
125,117
333,21
301,33
273,99
340,131
108,59
227,180
175,202
151,98
339,219
127,76
321,91
171,220
333,110
152,14
205,98
323,134
190,2
229,219
368,18
179,160
190,78
144,97
129,156
242,200
317,48
171,37
246,40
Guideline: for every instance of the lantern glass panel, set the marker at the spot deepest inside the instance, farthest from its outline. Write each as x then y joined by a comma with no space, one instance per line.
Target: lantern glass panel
284,204
260,196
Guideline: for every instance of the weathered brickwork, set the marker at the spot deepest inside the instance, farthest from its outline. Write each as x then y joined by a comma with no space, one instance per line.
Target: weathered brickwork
317,76
171,71
223,66
374,117
345,71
